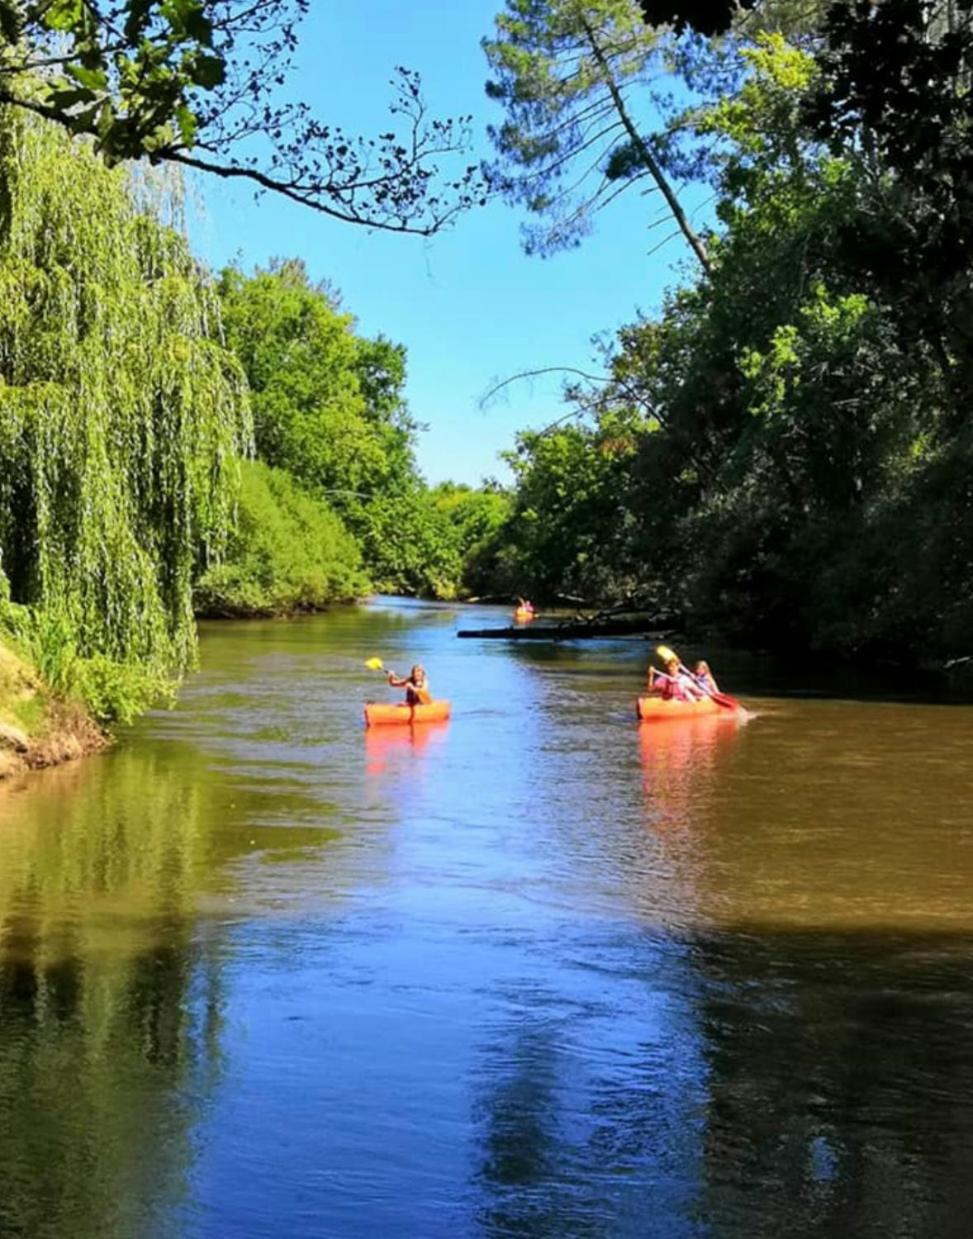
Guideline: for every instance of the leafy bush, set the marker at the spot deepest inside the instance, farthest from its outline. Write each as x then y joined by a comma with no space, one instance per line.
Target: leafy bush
329,408
289,552
410,546
477,518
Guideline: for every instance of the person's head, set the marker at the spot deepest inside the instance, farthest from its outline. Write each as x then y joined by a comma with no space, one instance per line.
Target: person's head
672,666
702,667
417,673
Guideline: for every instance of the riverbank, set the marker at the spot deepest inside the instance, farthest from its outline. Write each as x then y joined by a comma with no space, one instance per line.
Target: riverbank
37,729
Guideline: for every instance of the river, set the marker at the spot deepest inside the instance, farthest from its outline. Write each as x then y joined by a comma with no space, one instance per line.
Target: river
536,971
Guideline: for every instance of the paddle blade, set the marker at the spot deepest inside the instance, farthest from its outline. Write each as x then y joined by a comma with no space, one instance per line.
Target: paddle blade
726,701
374,664
666,654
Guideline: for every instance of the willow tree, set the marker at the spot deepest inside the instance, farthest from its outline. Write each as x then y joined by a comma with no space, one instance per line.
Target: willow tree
121,414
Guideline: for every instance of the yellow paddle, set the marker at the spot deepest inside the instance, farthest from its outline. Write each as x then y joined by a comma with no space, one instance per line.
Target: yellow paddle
374,664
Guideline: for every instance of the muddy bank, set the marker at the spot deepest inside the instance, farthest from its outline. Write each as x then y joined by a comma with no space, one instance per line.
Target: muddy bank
36,729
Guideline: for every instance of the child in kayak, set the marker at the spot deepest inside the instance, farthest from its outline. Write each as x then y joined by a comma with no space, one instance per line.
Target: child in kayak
673,684
416,685
704,678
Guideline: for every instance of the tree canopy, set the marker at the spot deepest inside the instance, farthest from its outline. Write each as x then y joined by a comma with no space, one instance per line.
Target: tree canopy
329,408
199,83
573,138
783,449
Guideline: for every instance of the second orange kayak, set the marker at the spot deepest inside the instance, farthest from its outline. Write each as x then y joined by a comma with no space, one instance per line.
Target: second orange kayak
523,616
378,713
655,709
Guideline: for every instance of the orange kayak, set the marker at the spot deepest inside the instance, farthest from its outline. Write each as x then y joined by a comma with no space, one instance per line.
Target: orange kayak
523,616
377,713
657,709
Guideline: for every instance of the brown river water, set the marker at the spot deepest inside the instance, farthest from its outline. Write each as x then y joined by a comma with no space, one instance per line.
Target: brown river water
536,971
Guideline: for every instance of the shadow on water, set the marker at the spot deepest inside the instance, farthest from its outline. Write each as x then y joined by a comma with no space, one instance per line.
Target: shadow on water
748,674
738,1084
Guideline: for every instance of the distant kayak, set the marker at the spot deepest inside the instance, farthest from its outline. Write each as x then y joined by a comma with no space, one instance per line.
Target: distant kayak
380,714
657,709
521,617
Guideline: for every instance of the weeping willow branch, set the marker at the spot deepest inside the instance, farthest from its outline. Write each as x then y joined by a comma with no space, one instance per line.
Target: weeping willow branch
121,414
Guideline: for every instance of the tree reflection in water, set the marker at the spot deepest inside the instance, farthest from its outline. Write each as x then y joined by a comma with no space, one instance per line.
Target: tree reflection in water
746,1082
841,1083
109,1002
738,1084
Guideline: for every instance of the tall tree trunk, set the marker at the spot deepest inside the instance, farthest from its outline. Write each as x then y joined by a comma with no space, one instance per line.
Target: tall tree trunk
648,159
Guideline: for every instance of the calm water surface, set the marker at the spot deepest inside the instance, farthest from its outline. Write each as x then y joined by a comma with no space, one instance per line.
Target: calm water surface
536,971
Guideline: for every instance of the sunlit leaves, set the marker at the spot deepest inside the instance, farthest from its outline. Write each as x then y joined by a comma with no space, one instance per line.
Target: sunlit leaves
121,415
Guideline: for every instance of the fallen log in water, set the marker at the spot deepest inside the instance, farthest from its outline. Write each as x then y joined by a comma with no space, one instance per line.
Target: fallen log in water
573,631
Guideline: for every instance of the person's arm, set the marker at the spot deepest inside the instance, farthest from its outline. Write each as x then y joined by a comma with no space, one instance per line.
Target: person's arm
396,681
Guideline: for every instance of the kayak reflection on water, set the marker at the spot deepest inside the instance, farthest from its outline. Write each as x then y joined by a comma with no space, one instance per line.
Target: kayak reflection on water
679,758
392,748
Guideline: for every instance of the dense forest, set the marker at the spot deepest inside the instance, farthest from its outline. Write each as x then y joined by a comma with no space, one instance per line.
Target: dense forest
781,451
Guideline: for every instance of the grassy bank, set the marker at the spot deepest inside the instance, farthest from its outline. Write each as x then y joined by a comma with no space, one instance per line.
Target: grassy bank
36,727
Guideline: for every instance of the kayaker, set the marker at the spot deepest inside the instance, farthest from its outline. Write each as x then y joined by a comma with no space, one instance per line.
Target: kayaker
704,677
673,684
416,686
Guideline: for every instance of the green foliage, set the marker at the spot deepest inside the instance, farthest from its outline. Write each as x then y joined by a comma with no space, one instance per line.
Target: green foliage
410,545
570,522
790,463
570,75
329,408
478,518
899,74
121,418
111,691
327,404
288,552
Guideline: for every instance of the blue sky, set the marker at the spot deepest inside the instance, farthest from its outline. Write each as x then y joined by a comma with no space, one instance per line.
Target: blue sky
470,307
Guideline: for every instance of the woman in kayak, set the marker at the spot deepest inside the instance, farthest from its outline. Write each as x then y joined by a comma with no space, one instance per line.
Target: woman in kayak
416,686
673,684
704,678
